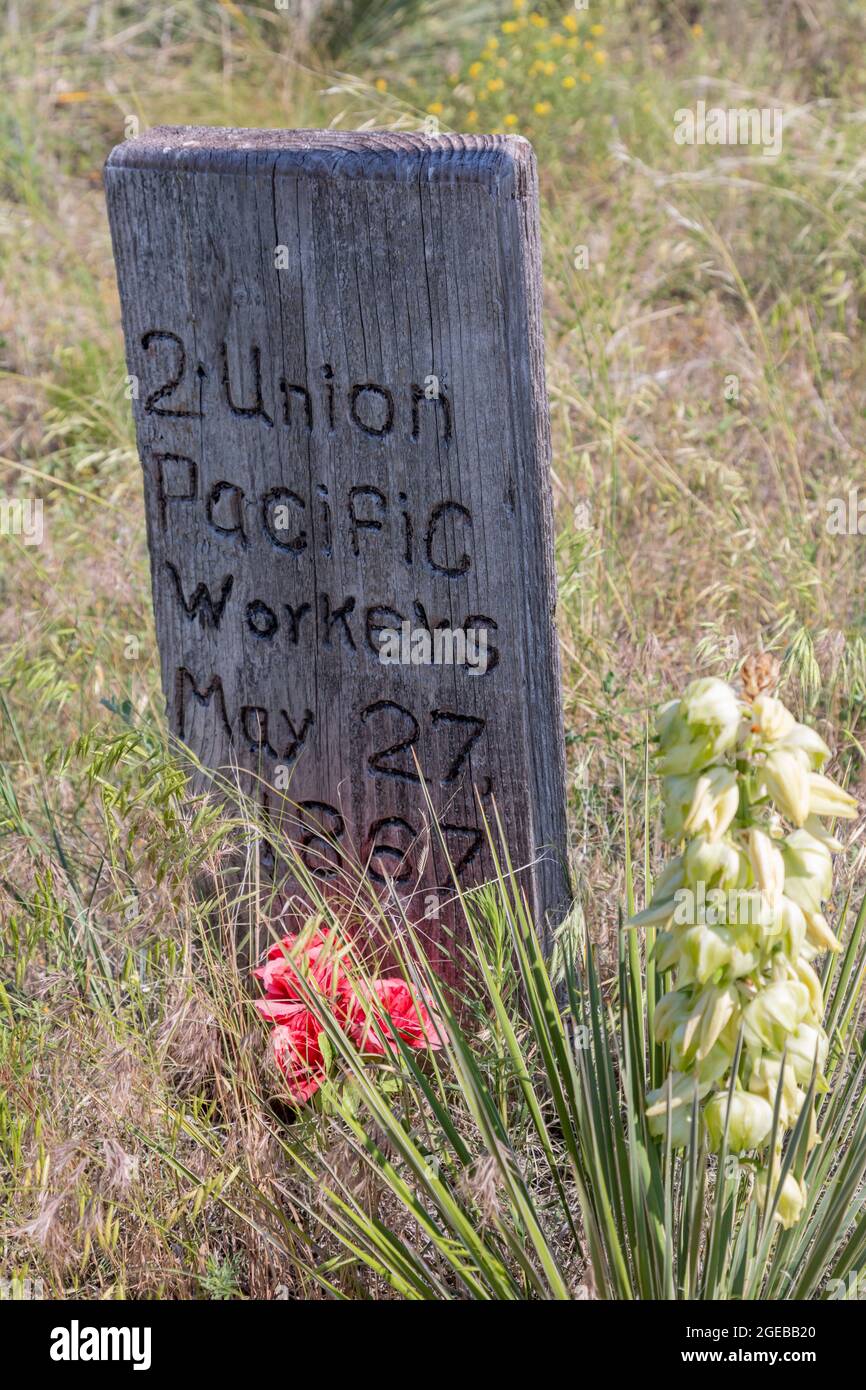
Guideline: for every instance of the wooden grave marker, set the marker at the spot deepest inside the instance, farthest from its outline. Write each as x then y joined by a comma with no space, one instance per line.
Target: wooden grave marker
336,346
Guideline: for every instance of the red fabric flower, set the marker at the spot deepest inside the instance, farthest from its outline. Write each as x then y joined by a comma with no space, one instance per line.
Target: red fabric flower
277,1010
403,1010
317,957
298,1052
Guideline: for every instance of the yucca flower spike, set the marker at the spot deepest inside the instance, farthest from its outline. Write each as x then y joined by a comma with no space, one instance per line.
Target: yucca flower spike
739,917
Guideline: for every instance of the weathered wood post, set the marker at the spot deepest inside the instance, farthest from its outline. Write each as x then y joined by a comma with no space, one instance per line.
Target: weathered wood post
343,428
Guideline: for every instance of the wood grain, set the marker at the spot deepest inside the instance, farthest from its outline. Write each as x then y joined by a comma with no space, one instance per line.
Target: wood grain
342,422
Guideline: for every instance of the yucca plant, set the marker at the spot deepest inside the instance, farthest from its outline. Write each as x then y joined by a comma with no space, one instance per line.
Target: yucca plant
519,1161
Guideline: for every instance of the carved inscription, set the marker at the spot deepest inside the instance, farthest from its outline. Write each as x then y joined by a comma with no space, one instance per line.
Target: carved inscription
345,461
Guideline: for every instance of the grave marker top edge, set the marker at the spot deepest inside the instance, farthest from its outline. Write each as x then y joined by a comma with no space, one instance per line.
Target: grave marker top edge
501,162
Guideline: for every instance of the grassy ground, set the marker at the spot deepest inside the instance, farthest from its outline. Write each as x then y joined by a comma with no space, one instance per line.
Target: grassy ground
706,367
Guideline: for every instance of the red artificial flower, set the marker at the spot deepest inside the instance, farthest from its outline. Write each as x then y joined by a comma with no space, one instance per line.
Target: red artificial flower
385,1009
277,1010
314,955
298,1053
399,1009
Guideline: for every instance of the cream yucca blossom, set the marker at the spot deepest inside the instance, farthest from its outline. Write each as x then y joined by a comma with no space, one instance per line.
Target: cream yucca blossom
715,863
702,805
672,1009
807,1048
809,882
802,971
787,782
739,917
710,703
706,949
768,1079
712,1013
808,745
768,866
749,1122
771,720
820,832
674,1100
791,1201
826,799
819,933
714,804
696,729
774,1013
790,923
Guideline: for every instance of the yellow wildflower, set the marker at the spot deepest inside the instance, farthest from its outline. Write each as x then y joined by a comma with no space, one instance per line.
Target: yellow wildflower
542,108
549,69
596,29
495,84
570,23
586,77
509,27
511,119
538,20
435,108
519,5
381,85
472,117
475,69
697,30
600,57
569,82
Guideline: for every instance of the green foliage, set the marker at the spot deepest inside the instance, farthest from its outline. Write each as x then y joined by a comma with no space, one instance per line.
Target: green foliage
547,1182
